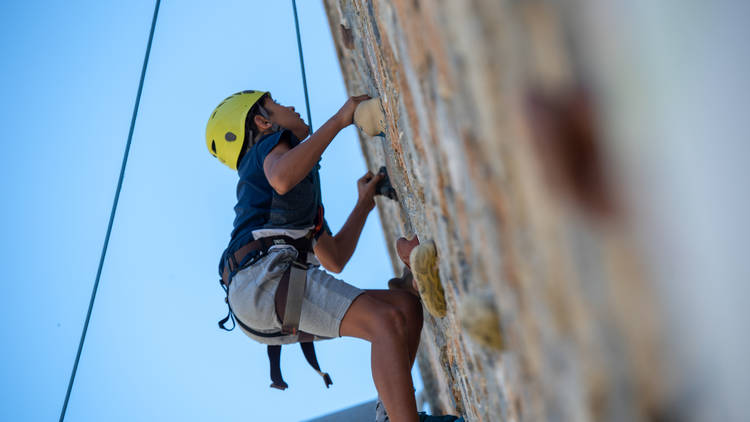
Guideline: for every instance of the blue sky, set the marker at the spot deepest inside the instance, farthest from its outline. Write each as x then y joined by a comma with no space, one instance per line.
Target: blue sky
153,350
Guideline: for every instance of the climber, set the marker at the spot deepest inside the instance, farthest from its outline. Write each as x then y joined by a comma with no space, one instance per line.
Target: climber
275,289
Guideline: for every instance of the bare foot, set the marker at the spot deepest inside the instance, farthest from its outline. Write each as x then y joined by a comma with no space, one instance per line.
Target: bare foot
404,247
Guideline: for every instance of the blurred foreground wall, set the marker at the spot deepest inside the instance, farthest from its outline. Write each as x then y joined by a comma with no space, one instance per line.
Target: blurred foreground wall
582,167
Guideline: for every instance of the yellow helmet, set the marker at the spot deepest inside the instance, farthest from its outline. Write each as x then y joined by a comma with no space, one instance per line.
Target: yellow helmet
225,131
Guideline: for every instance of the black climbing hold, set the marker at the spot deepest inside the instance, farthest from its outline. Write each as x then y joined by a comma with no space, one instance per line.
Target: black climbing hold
384,187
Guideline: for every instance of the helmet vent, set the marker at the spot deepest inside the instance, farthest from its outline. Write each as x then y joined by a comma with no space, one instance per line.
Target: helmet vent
230,136
213,146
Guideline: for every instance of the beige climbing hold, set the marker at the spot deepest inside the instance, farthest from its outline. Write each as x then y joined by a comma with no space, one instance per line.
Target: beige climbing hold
479,318
423,263
369,117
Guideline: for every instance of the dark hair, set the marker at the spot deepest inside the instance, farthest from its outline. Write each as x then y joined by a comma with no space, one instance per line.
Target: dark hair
251,130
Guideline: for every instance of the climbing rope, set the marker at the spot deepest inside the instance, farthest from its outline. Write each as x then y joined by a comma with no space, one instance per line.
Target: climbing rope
112,214
302,65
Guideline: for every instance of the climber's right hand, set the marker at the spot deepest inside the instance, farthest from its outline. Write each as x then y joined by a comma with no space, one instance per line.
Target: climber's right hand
366,186
345,115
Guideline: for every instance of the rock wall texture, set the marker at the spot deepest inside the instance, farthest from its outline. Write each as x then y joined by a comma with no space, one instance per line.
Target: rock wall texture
491,144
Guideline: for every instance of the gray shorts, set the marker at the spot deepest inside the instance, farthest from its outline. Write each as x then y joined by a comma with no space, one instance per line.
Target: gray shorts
252,290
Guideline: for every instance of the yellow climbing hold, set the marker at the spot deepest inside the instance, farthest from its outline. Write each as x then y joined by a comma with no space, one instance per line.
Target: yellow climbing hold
480,320
423,263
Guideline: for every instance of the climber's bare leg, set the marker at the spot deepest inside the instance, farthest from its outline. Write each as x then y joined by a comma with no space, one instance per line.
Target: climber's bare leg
411,307
384,326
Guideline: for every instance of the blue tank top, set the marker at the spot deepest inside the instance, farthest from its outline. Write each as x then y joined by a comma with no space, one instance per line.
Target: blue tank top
259,206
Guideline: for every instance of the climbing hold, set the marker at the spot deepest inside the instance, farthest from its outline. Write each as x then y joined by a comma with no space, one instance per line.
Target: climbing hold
384,186
369,117
423,263
479,318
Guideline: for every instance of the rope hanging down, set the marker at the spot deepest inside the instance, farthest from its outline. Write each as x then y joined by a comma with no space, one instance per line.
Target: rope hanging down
302,65
112,214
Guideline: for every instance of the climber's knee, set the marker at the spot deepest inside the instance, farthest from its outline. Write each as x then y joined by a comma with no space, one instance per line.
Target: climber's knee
372,319
407,303
410,306
391,323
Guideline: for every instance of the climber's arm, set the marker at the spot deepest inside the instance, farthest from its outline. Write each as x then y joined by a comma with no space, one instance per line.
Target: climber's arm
334,252
285,167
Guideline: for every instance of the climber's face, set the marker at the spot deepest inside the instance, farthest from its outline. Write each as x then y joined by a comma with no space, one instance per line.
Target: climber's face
286,117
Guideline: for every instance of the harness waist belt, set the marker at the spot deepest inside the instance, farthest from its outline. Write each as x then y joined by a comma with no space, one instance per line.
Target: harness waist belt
303,246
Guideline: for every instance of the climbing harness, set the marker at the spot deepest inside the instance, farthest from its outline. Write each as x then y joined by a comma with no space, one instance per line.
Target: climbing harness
288,299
